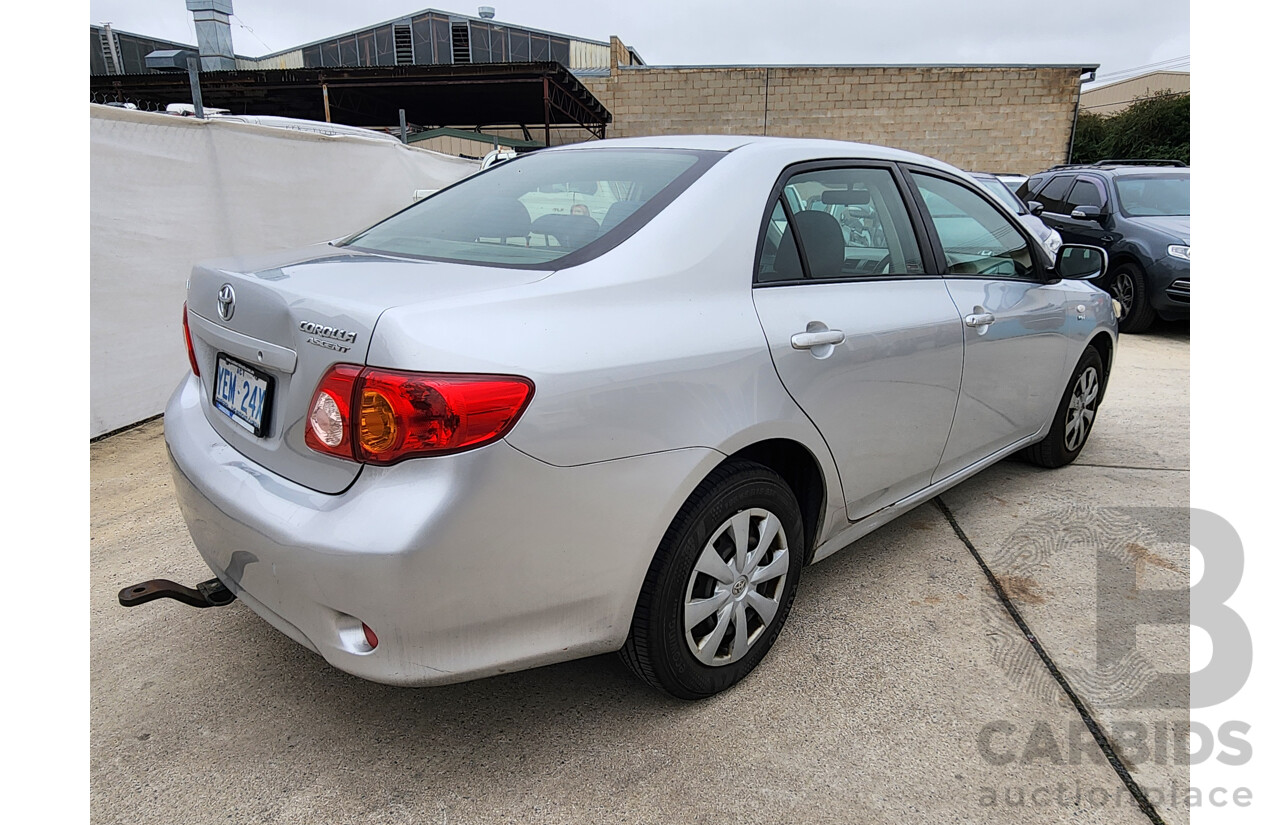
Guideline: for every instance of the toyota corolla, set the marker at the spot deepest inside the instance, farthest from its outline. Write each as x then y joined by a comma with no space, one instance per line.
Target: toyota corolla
615,397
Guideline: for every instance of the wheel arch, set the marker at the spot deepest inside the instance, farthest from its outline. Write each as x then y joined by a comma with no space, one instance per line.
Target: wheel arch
1123,257
800,469
1106,348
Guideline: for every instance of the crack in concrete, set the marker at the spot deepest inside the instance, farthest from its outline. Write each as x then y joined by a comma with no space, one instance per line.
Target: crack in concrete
1099,736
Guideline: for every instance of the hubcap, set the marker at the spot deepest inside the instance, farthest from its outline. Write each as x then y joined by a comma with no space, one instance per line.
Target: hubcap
1122,290
736,586
1081,409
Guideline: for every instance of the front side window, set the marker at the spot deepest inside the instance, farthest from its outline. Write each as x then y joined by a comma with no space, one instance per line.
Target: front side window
1053,196
850,223
996,187
1085,192
976,238
535,210
1150,195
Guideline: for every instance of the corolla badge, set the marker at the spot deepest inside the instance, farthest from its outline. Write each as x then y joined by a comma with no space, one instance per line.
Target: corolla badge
337,338
226,302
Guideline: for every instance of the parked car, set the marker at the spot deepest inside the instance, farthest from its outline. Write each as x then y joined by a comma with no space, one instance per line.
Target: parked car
1140,212
1012,181
995,184
491,432
495,156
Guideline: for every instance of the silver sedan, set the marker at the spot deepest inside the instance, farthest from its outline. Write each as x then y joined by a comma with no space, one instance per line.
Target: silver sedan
615,397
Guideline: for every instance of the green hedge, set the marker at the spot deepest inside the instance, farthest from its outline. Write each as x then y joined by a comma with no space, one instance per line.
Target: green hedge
1158,127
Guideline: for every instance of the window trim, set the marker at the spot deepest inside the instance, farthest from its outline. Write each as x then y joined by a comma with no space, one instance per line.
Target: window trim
927,254
1039,262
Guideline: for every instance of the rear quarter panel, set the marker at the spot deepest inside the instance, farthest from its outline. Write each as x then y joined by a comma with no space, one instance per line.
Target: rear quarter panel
653,346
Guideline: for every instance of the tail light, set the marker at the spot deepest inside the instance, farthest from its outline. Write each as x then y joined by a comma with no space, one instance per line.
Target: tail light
191,351
380,416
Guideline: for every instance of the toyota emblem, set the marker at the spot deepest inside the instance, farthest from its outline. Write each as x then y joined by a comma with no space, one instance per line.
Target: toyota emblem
226,302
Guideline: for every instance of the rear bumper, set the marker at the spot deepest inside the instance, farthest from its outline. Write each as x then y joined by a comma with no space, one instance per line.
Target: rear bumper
465,565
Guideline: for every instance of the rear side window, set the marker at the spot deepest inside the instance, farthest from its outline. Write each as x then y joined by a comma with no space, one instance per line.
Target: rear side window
541,211
976,237
849,223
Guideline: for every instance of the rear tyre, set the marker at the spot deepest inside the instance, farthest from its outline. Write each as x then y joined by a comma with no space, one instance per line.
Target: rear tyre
1073,420
1129,287
720,585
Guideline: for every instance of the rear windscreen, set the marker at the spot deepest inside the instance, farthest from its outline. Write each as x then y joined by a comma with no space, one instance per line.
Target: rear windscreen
541,211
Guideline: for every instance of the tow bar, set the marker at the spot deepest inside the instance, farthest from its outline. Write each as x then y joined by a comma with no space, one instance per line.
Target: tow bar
212,593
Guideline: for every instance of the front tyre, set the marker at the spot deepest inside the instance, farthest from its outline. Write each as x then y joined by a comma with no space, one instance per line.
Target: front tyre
721,584
1073,420
1129,287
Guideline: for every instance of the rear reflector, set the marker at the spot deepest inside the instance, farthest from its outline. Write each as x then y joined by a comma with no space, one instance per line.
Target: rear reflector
191,351
369,635
382,416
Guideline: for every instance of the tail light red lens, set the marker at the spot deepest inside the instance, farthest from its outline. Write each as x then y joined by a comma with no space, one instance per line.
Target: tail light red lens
383,416
191,351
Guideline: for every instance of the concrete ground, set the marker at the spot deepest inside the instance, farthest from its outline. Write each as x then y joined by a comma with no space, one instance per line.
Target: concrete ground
900,689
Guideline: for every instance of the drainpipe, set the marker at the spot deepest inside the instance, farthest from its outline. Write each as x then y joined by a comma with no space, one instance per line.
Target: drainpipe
1086,76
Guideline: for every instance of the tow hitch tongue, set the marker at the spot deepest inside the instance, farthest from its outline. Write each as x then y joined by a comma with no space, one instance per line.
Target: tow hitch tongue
212,593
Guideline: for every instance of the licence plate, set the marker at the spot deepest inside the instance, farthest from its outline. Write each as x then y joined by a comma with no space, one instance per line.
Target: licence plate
243,394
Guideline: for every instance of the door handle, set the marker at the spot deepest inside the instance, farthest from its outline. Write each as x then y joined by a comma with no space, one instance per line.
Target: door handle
809,340
979,319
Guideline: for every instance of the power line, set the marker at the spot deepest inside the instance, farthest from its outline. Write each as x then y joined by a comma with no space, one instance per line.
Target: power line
1182,59
1171,63
242,25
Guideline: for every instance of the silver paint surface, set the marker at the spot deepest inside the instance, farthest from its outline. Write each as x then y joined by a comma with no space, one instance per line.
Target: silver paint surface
652,363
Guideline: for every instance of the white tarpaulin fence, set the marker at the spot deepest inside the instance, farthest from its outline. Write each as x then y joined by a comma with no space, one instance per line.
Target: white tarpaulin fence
168,191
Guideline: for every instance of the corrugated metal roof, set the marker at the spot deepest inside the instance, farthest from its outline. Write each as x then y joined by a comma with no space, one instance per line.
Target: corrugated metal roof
481,137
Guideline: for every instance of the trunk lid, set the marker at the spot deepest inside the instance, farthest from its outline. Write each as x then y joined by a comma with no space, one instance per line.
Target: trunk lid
292,316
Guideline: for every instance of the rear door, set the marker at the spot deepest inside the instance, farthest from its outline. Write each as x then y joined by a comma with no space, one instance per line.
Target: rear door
865,340
1015,325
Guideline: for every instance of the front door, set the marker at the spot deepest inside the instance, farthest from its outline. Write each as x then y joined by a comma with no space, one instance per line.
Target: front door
1015,324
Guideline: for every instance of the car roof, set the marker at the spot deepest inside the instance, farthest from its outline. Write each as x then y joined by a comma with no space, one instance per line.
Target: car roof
797,147
1119,168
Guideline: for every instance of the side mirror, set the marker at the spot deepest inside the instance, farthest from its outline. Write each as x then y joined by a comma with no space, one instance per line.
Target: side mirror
1078,262
1087,213
1035,207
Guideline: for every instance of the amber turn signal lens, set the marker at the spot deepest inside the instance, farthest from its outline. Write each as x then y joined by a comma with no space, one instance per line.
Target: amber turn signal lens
378,430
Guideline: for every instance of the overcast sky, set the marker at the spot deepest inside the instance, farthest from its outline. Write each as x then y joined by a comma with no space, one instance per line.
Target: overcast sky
1136,33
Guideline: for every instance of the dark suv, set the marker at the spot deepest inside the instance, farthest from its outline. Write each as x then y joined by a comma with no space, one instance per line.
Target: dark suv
1140,212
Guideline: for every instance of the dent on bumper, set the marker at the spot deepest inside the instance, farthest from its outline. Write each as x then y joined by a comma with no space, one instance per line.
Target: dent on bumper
465,565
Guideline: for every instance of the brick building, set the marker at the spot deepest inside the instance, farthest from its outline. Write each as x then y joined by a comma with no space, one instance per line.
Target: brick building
999,118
